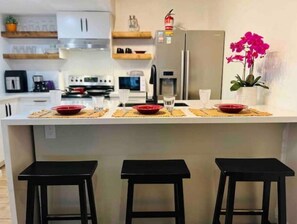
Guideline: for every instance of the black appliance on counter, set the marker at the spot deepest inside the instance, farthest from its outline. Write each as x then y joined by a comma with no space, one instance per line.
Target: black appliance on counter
39,84
15,81
92,85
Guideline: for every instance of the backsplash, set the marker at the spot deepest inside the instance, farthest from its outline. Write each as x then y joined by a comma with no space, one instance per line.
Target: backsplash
54,76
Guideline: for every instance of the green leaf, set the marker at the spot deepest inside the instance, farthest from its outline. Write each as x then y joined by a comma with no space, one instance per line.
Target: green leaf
250,80
256,80
262,85
235,86
238,78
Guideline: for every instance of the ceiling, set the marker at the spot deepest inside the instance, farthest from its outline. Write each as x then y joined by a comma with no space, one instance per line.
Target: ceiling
52,6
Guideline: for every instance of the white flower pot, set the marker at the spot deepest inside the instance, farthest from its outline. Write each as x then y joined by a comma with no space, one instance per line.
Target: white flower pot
247,95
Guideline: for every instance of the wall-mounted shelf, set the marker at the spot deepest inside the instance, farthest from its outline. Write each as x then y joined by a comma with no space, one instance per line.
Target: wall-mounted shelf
132,35
31,56
132,56
29,34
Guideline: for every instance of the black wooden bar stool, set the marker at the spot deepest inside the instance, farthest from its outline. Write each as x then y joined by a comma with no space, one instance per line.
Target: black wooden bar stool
264,170
156,172
48,173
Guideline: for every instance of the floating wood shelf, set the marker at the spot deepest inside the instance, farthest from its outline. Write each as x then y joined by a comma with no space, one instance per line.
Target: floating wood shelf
31,56
29,34
132,35
132,56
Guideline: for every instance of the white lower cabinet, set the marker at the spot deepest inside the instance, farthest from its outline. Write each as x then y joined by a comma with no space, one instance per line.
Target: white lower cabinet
32,104
7,108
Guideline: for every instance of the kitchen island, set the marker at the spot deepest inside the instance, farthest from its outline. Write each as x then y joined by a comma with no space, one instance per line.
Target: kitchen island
197,140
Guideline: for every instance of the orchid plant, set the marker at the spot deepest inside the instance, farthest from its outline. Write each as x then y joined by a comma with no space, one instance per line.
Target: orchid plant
250,47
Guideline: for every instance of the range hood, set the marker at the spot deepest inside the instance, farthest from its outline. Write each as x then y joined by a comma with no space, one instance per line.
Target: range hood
68,44
84,30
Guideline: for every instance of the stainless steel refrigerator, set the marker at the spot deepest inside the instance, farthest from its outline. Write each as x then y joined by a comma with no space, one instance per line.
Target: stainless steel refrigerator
187,61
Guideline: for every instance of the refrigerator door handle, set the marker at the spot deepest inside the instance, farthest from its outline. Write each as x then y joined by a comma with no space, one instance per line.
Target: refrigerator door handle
182,75
187,75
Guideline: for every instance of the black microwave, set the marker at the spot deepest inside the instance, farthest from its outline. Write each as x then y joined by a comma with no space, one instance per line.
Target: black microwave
134,83
15,81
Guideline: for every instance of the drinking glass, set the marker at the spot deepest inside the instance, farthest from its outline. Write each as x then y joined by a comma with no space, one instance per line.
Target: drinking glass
98,103
124,97
169,103
204,95
55,96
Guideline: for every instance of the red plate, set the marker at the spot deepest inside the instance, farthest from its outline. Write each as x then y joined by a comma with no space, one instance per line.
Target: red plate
231,108
148,109
68,109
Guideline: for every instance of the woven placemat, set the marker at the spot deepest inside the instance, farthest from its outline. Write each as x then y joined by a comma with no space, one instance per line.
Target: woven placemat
218,113
161,113
55,114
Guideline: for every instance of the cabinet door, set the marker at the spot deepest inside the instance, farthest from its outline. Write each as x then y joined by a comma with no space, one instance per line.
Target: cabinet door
97,24
3,109
90,25
29,104
70,25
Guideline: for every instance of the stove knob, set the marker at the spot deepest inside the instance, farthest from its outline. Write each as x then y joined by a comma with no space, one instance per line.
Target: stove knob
104,80
80,80
100,80
76,80
109,80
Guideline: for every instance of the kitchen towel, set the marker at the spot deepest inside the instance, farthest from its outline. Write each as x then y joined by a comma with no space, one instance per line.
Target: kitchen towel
161,113
55,114
218,113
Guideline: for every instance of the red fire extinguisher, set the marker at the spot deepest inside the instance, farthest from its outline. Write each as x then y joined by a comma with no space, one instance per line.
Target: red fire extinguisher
169,20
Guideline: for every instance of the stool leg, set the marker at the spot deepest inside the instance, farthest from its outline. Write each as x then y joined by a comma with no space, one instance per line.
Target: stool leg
281,190
92,201
219,200
265,202
230,201
179,202
129,202
83,203
30,203
44,206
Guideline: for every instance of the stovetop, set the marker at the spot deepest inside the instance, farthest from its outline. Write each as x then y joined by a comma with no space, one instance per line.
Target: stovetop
64,95
103,83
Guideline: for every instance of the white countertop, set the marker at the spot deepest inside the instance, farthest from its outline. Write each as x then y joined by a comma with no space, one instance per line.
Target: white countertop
278,116
10,96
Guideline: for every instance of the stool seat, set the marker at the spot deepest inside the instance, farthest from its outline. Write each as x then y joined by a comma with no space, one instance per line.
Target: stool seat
41,174
259,166
156,172
154,169
266,170
56,169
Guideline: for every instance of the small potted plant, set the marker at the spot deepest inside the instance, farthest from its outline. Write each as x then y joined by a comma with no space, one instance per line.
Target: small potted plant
11,24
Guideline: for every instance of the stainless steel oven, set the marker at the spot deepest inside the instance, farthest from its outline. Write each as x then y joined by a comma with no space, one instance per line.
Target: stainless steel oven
90,85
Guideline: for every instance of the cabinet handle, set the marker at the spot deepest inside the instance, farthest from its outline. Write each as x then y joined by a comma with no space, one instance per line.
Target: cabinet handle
9,109
6,111
81,25
39,101
87,25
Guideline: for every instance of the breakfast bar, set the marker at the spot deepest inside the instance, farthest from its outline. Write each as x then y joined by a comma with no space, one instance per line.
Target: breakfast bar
110,140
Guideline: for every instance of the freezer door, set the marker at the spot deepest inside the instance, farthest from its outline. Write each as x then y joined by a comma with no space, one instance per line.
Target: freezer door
205,55
169,59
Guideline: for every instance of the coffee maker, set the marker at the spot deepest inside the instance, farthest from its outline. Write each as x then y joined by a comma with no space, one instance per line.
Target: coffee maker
39,84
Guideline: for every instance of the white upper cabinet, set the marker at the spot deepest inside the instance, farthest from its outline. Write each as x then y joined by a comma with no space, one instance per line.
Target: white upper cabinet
84,25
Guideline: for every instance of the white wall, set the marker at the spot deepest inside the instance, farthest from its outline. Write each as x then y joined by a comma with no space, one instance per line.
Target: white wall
3,64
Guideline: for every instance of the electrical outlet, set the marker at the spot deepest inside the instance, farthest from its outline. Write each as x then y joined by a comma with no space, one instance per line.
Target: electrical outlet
50,131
